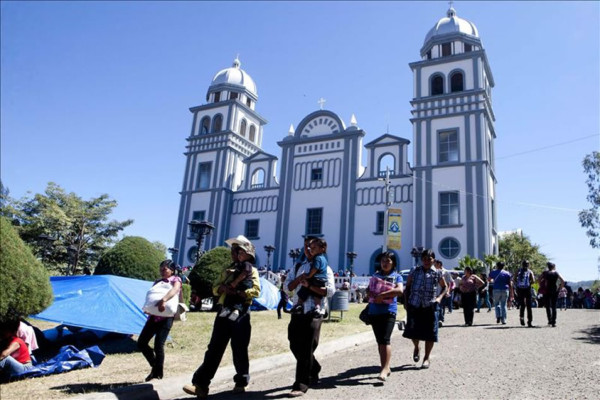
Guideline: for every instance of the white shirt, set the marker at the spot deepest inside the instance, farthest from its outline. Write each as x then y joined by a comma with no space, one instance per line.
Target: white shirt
309,304
448,278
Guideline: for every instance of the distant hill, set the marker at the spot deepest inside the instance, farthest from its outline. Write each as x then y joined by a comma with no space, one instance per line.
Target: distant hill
583,284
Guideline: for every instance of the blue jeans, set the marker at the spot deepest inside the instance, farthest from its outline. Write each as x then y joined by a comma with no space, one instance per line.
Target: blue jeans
11,367
500,298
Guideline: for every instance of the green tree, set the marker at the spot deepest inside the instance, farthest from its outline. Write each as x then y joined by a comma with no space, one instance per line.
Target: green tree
514,248
25,285
208,269
160,247
590,218
81,228
132,257
468,261
490,261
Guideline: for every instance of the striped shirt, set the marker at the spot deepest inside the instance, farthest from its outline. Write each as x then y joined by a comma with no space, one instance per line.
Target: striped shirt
424,286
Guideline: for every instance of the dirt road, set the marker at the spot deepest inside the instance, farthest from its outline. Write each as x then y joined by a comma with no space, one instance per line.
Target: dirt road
485,361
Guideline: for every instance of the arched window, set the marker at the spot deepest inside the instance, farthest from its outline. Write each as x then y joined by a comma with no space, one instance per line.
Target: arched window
252,134
386,161
243,128
204,125
456,82
258,179
217,123
437,85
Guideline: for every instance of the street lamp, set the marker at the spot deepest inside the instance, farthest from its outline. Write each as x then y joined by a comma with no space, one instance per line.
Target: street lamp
173,251
269,249
200,229
294,254
351,256
416,254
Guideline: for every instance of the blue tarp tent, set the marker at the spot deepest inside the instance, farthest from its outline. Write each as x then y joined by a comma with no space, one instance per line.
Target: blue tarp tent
269,296
99,302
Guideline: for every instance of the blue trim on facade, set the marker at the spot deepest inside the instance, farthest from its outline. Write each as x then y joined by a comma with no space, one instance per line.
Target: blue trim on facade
347,168
418,78
483,223
429,208
476,83
229,119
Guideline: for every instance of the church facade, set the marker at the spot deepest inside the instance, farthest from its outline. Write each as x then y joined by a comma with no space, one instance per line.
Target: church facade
446,198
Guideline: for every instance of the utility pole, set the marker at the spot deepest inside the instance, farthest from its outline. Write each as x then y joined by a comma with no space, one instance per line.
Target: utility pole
388,203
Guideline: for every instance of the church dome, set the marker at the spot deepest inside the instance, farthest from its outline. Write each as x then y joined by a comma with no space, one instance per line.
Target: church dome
234,76
451,24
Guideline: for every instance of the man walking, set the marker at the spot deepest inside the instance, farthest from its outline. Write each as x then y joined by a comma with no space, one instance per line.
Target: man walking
503,291
446,301
523,281
305,325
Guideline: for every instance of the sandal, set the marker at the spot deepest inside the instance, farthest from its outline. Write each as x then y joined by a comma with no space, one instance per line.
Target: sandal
416,356
425,364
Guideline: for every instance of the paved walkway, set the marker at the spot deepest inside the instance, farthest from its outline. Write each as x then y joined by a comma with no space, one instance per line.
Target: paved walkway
483,361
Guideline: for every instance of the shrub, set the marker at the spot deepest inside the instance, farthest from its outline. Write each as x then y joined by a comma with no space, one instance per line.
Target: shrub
25,285
133,257
186,290
208,269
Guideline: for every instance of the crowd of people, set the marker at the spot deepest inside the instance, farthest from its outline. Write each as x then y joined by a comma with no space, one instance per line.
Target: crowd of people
429,290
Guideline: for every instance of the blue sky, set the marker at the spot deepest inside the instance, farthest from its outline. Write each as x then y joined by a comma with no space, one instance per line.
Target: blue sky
95,95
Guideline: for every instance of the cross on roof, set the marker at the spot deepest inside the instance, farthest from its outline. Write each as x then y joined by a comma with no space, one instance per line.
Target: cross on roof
321,102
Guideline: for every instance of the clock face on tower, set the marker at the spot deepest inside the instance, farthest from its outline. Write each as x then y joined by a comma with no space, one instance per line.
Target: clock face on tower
321,125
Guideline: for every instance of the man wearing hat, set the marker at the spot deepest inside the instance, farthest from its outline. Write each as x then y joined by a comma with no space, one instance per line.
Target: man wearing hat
226,329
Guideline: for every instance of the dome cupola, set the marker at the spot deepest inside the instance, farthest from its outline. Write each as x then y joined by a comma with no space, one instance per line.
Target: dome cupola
457,35
233,79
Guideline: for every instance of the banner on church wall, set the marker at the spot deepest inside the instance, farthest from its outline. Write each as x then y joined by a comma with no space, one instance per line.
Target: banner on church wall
394,231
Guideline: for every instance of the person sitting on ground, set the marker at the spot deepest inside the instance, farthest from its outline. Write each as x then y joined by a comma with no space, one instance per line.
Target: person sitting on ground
15,357
240,280
316,277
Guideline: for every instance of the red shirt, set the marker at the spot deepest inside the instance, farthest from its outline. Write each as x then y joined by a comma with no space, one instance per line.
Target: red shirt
22,353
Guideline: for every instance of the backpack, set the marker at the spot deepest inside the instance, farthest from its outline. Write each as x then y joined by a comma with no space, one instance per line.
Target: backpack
523,279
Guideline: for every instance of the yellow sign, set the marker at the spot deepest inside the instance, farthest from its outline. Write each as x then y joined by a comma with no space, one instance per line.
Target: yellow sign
394,229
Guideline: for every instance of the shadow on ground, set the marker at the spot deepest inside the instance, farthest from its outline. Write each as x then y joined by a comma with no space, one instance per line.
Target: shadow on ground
589,335
123,392
366,376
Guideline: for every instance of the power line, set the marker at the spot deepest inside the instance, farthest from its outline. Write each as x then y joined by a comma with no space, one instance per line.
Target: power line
548,147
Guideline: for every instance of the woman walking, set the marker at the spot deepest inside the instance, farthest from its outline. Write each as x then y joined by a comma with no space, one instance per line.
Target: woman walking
159,321
469,285
384,287
422,305
550,279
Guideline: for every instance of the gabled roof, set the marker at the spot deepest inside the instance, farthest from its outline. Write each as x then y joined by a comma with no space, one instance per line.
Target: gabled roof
260,156
386,140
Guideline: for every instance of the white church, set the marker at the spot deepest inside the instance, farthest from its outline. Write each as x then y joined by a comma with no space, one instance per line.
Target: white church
323,189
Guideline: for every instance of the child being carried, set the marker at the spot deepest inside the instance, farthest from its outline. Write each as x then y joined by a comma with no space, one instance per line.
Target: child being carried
239,280
317,276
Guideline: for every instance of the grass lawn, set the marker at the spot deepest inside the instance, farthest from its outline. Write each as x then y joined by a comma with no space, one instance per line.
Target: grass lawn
124,365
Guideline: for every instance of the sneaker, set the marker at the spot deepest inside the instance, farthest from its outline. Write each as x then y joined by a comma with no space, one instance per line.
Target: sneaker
195,390
224,312
440,324
237,389
497,320
235,314
522,322
503,322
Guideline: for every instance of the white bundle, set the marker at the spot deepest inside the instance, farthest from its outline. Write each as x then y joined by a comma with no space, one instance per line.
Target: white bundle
154,295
